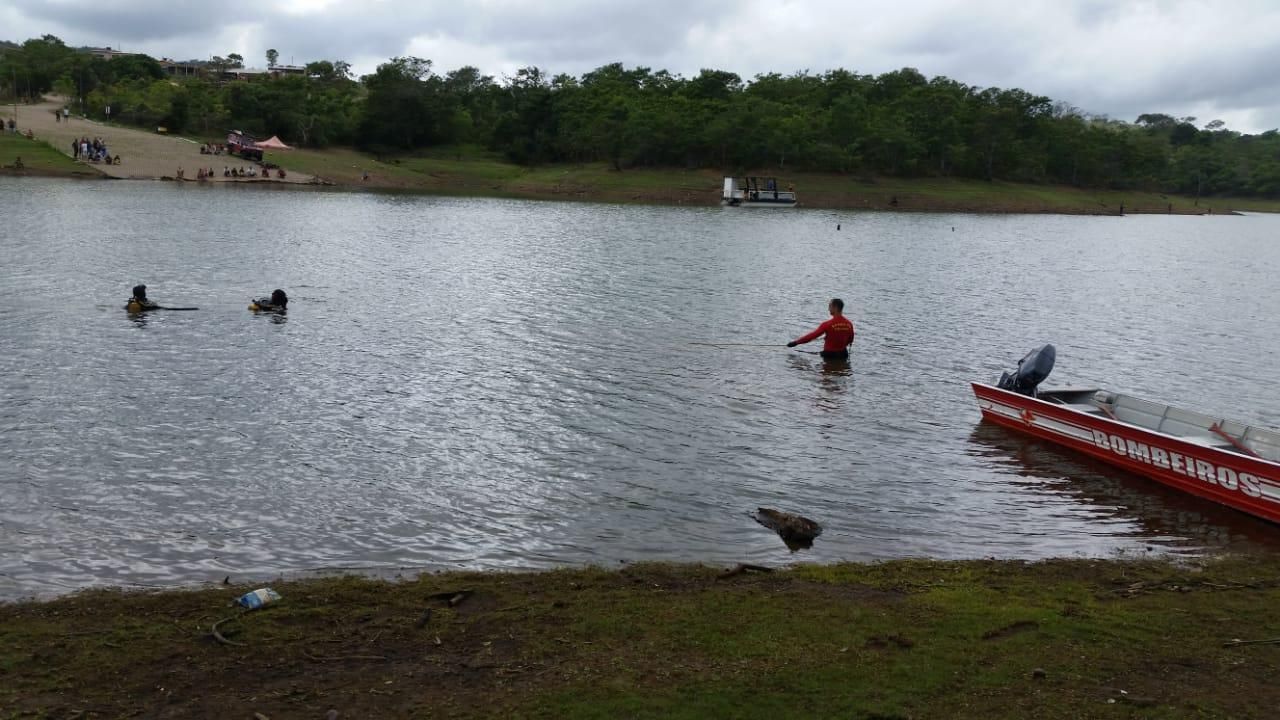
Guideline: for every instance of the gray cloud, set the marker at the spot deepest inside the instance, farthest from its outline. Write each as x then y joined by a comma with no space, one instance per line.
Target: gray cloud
134,21
1183,57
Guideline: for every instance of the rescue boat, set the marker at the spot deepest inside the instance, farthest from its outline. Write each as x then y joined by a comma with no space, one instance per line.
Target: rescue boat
1228,462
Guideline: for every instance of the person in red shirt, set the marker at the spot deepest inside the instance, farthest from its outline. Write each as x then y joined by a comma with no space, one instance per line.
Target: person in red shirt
838,331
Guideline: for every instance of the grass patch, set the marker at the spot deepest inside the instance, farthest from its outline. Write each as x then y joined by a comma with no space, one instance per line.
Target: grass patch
982,639
38,158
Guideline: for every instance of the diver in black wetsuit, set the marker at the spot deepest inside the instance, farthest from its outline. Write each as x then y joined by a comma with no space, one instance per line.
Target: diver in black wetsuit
139,301
278,302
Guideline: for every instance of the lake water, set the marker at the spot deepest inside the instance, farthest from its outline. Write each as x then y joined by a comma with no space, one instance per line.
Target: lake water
471,383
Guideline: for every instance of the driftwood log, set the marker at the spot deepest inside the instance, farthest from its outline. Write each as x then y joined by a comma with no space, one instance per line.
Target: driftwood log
796,531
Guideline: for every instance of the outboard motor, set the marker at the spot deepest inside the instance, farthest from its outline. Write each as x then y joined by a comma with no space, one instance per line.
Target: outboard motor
1032,370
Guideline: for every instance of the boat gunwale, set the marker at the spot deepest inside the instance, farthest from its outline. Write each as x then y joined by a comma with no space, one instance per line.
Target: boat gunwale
1250,484
1233,454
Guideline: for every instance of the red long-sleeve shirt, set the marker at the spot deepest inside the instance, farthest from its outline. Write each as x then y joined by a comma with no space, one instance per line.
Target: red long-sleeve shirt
839,332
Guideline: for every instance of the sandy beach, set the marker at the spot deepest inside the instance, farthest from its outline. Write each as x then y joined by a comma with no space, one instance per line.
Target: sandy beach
143,155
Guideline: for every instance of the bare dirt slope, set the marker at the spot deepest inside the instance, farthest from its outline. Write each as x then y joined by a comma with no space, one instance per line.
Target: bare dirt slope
143,155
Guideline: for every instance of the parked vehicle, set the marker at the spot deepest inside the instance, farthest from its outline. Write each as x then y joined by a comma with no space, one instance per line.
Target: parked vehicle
246,147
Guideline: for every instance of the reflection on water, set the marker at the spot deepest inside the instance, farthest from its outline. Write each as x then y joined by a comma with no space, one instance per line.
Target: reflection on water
833,379
1165,516
490,383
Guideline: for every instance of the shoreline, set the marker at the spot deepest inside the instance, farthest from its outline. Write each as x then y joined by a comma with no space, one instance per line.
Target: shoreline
908,638
143,155
865,201
472,172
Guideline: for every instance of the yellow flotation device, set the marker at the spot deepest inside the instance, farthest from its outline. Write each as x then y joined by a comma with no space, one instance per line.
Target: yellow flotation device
276,303
136,306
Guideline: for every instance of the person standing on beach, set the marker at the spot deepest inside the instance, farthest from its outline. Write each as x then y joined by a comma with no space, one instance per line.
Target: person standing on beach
838,331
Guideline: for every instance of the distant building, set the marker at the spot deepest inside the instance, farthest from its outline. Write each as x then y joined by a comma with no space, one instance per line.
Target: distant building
279,70
247,73
105,53
183,68
203,68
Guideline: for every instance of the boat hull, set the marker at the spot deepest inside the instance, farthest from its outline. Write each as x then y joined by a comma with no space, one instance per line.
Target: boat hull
756,192
1245,483
736,202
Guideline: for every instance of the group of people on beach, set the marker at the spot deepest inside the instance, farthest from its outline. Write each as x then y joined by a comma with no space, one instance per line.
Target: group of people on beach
92,151
230,172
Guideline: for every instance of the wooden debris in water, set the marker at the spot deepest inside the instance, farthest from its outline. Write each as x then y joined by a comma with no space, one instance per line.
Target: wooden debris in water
796,531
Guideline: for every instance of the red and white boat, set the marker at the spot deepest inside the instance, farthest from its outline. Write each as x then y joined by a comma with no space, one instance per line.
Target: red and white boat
1228,462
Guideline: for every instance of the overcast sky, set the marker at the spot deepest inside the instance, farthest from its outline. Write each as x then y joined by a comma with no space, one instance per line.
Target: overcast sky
1120,58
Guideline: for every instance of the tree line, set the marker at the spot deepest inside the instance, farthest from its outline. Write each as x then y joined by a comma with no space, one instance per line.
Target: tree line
899,123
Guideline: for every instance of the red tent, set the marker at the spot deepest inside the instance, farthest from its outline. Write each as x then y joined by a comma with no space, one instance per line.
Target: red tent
273,143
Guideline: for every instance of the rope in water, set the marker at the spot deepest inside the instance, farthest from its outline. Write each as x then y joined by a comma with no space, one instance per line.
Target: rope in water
754,345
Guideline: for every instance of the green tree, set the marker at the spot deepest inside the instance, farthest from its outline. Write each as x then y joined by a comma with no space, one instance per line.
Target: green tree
218,65
404,108
528,129
31,70
713,85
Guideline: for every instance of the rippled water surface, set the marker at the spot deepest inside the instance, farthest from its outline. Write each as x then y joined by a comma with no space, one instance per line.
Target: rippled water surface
491,383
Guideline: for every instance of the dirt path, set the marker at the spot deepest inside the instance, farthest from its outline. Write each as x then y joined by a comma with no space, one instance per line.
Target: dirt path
143,155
